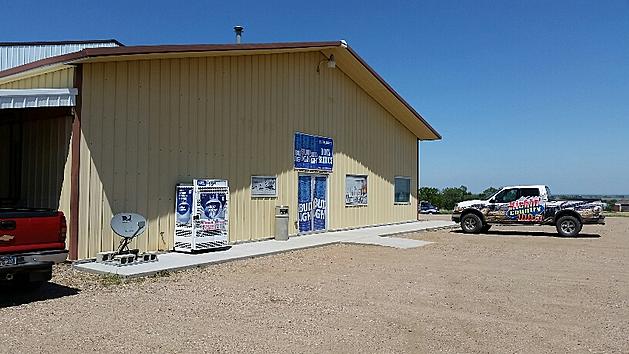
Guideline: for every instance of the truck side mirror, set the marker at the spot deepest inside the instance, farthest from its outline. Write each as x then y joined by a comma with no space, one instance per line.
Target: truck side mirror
492,200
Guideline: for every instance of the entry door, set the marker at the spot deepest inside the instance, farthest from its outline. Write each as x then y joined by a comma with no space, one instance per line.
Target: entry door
312,203
499,206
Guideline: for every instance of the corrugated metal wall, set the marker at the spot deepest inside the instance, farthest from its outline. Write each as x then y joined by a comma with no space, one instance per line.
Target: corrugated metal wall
148,125
19,54
46,163
56,79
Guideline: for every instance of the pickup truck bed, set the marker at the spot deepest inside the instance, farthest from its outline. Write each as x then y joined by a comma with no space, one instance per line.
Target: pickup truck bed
31,241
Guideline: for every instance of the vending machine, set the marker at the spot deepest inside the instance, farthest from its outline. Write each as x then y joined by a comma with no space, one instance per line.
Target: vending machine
202,215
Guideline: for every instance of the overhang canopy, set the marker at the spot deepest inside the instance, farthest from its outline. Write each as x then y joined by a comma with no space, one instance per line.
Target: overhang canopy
33,98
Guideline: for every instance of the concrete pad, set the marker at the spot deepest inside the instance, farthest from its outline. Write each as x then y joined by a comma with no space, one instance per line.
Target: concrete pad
368,236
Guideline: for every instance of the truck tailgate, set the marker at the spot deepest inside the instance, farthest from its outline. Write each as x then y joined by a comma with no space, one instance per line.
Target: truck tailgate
24,230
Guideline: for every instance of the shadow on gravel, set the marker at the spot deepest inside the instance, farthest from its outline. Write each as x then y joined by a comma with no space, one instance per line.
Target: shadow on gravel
14,296
527,233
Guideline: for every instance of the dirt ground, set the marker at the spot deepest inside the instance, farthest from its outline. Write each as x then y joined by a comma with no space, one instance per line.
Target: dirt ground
513,290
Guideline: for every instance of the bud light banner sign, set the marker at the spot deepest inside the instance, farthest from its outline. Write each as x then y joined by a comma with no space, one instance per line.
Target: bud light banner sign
312,203
305,203
320,200
313,152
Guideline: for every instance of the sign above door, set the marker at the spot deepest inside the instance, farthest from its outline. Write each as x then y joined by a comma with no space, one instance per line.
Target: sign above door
313,152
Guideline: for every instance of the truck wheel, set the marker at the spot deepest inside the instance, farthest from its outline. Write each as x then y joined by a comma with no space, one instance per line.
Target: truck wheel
471,223
568,226
485,228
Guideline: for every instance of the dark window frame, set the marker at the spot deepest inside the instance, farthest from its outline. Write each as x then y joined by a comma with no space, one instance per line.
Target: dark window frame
499,198
395,192
534,194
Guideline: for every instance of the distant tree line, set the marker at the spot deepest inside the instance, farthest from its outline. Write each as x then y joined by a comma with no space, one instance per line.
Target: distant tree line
609,204
447,198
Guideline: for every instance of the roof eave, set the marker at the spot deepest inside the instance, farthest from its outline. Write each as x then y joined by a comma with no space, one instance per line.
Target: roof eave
91,54
437,136
84,54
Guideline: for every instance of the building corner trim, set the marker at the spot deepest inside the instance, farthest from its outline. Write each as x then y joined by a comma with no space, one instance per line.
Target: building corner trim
75,167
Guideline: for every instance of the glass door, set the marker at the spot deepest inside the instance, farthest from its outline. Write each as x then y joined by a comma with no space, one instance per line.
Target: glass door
312,202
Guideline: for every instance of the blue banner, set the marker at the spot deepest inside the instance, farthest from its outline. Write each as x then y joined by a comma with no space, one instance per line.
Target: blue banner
305,203
320,203
184,204
313,152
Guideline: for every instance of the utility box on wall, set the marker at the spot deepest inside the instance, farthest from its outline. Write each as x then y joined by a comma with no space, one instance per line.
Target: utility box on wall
202,215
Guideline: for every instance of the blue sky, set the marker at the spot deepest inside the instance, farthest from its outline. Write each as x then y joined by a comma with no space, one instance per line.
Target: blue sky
522,91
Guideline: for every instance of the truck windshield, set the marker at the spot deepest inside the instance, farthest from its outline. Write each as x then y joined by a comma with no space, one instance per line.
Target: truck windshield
548,195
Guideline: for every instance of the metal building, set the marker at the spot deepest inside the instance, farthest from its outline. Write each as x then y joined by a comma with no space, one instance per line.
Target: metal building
106,130
14,54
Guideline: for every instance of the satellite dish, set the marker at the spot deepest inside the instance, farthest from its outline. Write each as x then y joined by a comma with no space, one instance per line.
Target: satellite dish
128,225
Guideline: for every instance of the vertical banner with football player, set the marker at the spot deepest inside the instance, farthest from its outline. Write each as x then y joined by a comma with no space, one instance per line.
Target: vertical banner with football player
184,205
210,213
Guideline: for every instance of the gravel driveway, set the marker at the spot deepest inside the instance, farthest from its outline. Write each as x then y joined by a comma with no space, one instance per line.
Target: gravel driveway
513,290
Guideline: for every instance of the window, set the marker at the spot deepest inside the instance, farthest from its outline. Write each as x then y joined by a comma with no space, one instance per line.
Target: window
507,195
402,192
529,192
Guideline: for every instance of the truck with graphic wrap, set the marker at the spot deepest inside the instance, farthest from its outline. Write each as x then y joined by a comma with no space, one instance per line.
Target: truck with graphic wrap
527,205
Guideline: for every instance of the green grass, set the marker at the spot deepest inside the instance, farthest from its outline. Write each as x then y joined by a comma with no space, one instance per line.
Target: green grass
108,280
111,279
161,274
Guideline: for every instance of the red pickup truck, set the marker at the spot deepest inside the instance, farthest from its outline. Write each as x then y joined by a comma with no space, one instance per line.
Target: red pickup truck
31,241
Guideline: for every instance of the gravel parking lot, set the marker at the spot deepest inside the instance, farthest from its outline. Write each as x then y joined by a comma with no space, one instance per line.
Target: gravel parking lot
513,290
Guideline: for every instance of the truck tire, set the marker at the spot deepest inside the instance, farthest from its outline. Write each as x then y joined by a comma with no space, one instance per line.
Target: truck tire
568,226
471,223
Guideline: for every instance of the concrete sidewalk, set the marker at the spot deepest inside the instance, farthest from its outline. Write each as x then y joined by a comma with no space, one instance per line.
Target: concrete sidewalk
368,236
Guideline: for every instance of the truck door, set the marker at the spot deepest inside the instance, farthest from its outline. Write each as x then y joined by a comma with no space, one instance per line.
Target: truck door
528,208
499,205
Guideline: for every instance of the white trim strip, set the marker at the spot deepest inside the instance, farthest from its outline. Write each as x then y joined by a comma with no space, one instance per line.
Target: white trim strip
33,98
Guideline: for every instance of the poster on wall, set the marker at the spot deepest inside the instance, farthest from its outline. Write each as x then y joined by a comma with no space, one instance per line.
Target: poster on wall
355,190
313,152
263,186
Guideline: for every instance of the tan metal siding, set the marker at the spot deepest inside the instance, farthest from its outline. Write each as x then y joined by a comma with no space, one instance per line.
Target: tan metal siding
150,124
56,79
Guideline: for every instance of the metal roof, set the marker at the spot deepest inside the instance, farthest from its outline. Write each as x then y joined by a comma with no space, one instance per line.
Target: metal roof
350,62
13,54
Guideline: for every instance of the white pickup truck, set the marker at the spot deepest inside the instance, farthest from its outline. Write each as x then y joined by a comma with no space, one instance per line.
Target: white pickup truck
527,205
